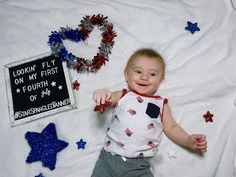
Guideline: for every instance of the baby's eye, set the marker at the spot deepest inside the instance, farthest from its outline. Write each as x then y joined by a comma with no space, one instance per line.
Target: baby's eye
153,74
138,71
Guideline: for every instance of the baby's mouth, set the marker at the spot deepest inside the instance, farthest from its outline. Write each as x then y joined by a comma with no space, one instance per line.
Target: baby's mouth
143,85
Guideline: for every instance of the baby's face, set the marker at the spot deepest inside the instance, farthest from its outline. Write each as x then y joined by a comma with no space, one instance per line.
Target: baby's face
144,75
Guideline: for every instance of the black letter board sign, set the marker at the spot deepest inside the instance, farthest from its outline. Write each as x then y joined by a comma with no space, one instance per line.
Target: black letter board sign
37,87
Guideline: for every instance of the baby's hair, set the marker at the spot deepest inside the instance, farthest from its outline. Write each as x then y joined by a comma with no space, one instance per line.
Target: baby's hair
147,52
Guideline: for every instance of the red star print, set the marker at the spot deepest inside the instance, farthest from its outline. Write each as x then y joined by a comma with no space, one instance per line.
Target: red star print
208,117
132,112
140,100
108,143
128,132
151,144
150,126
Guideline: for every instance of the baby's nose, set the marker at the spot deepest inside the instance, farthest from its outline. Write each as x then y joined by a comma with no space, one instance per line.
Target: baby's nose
144,76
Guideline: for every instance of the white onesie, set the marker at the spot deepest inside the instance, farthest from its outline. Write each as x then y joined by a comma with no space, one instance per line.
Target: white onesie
136,126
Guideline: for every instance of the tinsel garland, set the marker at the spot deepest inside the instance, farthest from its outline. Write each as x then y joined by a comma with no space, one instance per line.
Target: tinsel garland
81,34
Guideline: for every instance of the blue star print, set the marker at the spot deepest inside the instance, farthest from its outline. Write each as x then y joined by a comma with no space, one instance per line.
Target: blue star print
192,27
81,144
44,146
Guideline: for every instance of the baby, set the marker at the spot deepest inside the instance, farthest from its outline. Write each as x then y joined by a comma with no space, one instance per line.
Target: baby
139,119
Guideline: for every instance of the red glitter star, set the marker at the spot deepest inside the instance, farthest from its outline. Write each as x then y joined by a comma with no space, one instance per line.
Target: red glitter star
76,85
102,107
208,117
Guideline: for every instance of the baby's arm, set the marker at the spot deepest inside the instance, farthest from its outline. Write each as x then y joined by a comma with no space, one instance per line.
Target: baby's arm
173,131
102,95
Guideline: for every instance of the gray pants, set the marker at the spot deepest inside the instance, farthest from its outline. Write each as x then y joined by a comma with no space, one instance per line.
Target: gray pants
109,165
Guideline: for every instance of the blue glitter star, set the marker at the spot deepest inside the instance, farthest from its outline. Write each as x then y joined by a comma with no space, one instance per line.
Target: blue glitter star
192,27
40,175
44,146
81,144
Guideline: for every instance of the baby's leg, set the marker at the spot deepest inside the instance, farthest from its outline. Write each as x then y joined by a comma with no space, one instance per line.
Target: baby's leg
139,167
103,166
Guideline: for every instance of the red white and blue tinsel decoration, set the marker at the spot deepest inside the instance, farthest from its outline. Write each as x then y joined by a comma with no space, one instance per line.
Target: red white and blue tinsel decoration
44,146
81,34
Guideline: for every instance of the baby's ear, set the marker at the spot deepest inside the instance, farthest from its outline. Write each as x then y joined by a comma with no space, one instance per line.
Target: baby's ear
163,79
126,75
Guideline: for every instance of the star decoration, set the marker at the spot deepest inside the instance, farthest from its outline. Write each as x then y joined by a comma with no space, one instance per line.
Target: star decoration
53,83
81,144
171,154
192,27
40,175
102,107
60,87
76,85
208,117
44,146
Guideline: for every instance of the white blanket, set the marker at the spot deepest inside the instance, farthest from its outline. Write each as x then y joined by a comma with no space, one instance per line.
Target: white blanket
201,77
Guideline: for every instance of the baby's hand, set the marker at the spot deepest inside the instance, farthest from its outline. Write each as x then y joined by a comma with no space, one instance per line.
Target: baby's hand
198,142
101,96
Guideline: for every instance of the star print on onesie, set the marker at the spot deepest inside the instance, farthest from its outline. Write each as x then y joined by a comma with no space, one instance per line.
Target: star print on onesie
137,132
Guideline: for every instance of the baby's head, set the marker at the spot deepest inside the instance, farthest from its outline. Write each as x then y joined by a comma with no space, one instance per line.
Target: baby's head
144,71
149,53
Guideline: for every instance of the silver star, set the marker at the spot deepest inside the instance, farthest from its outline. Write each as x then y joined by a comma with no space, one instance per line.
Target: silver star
60,87
171,154
18,90
53,83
